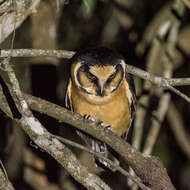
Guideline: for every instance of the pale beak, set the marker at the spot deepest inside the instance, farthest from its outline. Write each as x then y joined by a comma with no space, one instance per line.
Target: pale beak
101,87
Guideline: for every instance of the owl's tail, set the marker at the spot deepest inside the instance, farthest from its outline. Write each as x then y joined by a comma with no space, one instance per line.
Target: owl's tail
102,148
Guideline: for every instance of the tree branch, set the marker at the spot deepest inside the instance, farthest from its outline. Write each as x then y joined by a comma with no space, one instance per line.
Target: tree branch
148,168
36,53
20,11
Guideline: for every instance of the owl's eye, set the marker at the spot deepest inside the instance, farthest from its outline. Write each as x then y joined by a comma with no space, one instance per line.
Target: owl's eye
112,76
91,76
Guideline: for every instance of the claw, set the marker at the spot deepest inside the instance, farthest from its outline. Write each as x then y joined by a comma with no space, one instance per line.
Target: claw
88,118
105,126
108,127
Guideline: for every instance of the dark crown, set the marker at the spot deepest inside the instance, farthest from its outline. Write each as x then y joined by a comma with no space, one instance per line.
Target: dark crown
100,56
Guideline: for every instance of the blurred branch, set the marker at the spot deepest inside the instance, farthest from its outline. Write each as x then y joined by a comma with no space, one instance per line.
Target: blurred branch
177,126
187,3
44,139
169,26
5,184
151,66
165,98
159,113
156,123
149,169
13,16
138,122
157,23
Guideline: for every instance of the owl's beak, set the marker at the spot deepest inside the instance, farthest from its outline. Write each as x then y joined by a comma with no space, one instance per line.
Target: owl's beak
101,88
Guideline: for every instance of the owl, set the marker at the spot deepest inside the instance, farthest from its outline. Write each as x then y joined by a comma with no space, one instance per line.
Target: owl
99,88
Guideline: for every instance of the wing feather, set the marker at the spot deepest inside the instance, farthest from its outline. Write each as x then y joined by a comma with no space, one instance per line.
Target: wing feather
68,101
133,102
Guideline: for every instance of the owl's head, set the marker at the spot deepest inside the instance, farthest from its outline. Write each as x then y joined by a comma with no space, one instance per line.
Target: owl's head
98,72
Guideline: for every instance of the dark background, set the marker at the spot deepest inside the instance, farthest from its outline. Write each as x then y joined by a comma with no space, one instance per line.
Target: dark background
125,25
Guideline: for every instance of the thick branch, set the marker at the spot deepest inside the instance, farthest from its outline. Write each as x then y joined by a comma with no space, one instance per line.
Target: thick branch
44,139
149,169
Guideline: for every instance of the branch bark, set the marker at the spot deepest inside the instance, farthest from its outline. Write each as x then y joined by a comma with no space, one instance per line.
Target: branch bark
5,184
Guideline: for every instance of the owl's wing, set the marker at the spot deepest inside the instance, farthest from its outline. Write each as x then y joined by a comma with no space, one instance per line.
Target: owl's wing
133,104
68,101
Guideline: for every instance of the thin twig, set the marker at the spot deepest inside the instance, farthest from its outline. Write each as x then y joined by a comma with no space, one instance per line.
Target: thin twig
160,81
178,81
182,95
37,53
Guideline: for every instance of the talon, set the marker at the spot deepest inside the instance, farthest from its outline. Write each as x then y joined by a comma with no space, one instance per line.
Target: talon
100,124
105,126
108,127
88,117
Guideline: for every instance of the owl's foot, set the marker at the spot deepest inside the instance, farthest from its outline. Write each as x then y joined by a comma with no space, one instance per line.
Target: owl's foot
105,126
89,118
